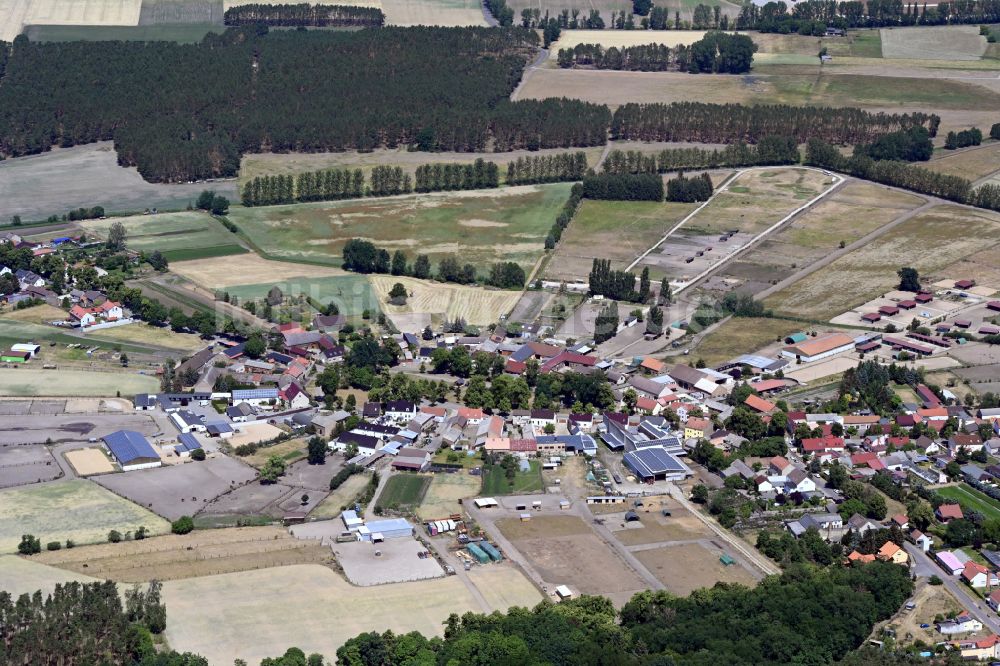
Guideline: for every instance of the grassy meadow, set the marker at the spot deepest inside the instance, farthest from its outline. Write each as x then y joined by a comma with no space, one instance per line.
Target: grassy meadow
179,236
480,227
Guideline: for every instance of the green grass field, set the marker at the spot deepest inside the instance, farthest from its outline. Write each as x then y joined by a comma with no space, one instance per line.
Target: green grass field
479,227
12,331
73,509
971,499
404,490
183,33
352,293
30,381
496,483
179,236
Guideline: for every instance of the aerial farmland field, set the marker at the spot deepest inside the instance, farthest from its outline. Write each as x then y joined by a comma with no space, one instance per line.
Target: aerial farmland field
974,164
437,300
247,604
447,13
927,242
479,226
616,230
179,236
34,381
72,509
843,217
52,183
352,293
934,43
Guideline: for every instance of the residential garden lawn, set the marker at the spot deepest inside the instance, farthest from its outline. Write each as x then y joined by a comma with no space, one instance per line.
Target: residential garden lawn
741,335
479,226
615,230
466,461
72,509
289,451
404,490
970,498
496,483
927,242
179,236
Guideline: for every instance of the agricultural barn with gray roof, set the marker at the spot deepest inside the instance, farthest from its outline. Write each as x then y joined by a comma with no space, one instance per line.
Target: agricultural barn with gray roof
131,450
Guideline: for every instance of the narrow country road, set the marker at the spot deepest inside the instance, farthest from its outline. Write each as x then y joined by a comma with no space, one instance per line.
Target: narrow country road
925,567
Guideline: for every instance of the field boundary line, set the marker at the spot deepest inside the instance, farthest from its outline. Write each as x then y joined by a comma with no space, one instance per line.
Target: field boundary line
718,190
774,227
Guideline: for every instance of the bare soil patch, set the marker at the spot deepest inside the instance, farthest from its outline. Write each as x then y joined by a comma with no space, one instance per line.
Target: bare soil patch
689,567
89,461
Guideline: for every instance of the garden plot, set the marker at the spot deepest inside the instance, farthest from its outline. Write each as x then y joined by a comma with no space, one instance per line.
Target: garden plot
927,242
179,490
436,300
477,226
934,43
248,603
72,509
351,292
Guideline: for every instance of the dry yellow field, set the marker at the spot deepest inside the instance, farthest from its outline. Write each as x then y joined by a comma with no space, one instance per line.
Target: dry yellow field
308,606
251,433
478,306
15,14
442,497
445,13
927,242
504,587
39,314
89,461
972,164
222,272
934,43
334,504
143,334
22,576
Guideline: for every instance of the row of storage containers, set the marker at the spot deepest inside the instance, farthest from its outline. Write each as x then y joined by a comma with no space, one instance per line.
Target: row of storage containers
484,552
436,527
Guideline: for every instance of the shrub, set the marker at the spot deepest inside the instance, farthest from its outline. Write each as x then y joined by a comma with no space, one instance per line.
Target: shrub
198,454
935,580
114,536
29,545
182,525
53,545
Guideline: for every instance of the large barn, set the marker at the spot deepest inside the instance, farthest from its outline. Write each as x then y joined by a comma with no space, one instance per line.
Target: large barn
131,450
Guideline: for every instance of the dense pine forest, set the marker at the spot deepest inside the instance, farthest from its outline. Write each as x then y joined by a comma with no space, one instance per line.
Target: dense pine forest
732,123
305,14
183,112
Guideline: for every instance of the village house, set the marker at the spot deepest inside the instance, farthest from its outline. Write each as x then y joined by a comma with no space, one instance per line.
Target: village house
105,312
891,552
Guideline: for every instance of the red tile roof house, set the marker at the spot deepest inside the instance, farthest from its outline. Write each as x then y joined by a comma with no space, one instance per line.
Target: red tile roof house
871,317
758,404
889,310
965,284
820,444
106,311
924,297
993,305
947,512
